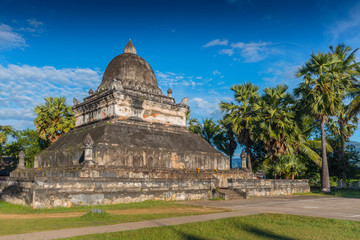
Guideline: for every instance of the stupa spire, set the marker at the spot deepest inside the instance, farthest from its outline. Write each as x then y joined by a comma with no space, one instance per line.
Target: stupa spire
129,48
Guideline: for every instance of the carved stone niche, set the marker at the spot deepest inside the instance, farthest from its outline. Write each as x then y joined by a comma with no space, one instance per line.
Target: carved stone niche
88,150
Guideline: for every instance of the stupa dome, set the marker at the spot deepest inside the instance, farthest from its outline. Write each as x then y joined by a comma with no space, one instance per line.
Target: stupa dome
132,71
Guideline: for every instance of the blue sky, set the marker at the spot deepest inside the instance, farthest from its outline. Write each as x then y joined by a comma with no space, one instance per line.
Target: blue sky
198,48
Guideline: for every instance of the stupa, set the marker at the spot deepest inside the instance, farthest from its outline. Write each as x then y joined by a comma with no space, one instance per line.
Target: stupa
129,122
130,143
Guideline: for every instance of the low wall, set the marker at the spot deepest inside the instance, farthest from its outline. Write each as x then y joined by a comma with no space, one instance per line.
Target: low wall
269,187
43,188
42,192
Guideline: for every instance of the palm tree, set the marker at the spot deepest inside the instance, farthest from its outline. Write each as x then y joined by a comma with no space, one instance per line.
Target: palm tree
209,130
277,127
343,128
54,118
348,70
225,140
321,96
242,116
287,166
192,123
5,131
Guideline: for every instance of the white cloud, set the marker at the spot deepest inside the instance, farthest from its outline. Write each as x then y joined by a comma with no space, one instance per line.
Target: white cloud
34,27
228,51
35,23
24,87
251,52
211,109
170,79
216,72
350,25
216,42
9,39
281,73
201,103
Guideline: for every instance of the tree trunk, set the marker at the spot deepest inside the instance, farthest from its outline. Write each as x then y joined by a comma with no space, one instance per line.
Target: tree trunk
230,162
248,158
293,177
325,179
342,151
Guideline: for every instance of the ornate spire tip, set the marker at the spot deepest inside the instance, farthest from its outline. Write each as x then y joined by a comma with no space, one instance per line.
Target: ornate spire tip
129,48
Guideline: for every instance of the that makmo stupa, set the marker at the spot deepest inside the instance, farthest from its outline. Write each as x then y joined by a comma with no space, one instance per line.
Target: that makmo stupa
129,122
130,143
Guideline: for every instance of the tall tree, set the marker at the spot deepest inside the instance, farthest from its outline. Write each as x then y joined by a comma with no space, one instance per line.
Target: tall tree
225,140
343,127
242,116
277,127
54,118
321,97
348,70
192,123
209,130
5,131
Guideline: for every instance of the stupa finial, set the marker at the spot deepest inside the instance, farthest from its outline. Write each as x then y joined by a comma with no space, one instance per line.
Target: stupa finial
129,48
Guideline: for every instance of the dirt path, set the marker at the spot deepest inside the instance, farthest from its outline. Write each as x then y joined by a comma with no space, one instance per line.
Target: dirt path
116,212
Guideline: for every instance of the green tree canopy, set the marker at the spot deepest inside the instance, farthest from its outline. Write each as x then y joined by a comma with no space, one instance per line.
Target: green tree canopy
277,127
321,96
241,115
54,118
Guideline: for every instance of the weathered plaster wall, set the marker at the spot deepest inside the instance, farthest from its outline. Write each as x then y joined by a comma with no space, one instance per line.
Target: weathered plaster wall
269,187
134,145
128,104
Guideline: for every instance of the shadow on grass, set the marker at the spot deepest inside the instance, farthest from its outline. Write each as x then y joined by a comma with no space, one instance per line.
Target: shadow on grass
188,236
258,232
238,229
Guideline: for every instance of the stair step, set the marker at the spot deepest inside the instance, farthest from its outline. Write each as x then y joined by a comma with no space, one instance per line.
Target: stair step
230,194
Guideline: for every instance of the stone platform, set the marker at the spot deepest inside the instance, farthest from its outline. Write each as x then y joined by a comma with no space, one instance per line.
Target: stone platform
66,187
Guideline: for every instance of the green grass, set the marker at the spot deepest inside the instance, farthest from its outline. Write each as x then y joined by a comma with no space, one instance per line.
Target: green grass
8,208
17,226
263,226
347,193
217,198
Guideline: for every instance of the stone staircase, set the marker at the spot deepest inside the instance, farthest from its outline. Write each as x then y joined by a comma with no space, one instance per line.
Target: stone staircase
232,194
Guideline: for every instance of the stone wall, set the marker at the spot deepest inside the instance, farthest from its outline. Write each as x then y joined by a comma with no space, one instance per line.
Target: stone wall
134,145
54,192
269,187
49,187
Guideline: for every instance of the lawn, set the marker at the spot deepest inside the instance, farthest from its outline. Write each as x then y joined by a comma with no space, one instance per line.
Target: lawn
8,208
15,219
347,193
262,226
